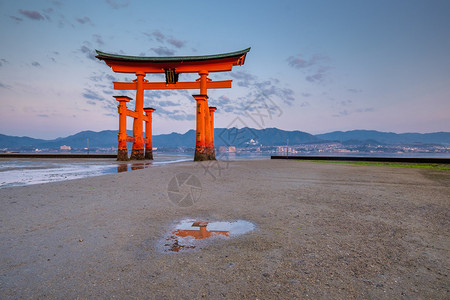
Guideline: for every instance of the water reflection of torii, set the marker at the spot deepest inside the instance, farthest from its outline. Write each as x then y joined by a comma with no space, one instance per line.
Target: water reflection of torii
172,66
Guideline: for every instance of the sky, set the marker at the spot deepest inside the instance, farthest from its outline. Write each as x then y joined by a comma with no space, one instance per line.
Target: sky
314,66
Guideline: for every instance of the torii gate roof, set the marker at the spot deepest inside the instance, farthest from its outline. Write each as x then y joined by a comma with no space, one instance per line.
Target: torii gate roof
181,64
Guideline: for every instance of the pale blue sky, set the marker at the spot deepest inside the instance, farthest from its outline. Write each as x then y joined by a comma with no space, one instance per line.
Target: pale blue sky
320,65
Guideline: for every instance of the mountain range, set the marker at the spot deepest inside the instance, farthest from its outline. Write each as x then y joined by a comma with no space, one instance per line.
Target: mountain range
231,137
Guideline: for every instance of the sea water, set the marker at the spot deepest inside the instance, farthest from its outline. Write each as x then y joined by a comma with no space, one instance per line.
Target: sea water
26,171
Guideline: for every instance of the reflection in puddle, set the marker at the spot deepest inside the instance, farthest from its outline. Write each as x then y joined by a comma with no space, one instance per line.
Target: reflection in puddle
133,166
191,234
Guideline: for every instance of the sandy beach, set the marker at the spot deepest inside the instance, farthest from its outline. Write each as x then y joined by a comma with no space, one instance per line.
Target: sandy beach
321,231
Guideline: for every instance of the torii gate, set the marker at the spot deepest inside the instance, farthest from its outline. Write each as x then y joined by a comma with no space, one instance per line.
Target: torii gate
172,66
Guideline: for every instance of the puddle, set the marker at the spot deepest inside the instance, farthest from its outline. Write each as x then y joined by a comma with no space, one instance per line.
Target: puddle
191,235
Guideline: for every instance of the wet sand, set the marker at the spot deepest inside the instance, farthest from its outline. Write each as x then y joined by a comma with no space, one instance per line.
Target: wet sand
322,231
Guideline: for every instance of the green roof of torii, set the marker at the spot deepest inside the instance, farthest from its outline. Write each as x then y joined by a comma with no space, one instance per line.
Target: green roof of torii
117,57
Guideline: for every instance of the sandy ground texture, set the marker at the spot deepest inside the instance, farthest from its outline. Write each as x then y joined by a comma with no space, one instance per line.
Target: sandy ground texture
321,231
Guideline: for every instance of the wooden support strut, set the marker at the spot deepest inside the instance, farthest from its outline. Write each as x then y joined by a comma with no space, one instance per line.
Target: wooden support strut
148,133
122,151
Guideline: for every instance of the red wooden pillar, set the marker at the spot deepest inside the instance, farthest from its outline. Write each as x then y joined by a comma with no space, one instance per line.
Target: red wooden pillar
200,141
211,115
138,133
148,133
122,151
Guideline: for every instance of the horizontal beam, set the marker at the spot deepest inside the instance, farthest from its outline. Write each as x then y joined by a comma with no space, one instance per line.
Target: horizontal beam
133,114
223,84
131,139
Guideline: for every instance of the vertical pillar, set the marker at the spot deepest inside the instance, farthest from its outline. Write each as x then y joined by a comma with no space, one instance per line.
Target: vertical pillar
200,142
122,151
208,142
148,133
138,145
211,116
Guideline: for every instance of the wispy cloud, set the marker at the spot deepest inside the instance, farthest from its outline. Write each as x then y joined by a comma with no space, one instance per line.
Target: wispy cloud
84,20
299,62
17,19
31,14
35,64
163,51
316,67
98,39
354,90
243,78
2,62
88,52
164,39
4,86
176,43
319,75
116,4
345,112
91,95
176,114
157,35
167,103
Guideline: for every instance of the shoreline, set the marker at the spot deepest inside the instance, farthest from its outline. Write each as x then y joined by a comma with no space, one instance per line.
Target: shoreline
321,231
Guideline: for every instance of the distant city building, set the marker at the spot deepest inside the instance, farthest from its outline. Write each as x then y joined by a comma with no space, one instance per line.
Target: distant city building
252,142
65,148
223,149
231,149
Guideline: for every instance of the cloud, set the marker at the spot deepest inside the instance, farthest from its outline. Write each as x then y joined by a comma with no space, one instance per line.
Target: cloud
31,14
299,62
176,43
359,110
342,113
354,90
3,61
98,39
116,4
88,52
163,51
318,76
345,102
16,18
91,95
368,109
243,78
57,3
176,114
315,67
84,20
268,89
4,86
35,64
43,115
306,94
167,103
157,35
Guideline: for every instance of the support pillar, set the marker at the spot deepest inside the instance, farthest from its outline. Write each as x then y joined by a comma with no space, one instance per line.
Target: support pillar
200,137
148,133
212,148
122,151
137,153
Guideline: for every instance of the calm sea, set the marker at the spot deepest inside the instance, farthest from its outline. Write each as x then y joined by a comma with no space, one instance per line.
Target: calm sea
20,172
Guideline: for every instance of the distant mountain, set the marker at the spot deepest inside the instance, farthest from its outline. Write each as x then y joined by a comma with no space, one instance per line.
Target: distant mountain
442,138
229,137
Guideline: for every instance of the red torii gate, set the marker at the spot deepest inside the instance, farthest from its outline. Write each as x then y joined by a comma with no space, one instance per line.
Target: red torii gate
172,66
